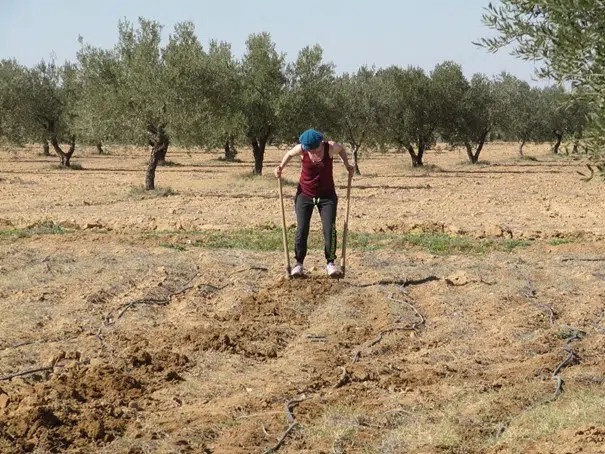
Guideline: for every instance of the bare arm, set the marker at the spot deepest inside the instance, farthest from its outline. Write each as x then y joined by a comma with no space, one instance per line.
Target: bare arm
295,151
338,149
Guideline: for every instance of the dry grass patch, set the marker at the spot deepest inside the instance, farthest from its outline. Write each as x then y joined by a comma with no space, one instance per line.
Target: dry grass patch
574,409
441,433
338,428
40,228
140,192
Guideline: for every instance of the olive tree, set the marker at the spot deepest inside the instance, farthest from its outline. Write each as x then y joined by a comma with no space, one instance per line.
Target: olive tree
305,103
356,107
38,104
13,78
98,119
519,113
226,125
141,93
263,84
565,115
553,101
577,112
567,38
410,112
201,85
467,110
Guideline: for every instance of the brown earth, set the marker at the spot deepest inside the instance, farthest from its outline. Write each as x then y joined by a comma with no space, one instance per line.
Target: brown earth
477,328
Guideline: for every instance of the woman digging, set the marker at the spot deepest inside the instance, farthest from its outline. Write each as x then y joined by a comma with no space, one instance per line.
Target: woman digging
315,189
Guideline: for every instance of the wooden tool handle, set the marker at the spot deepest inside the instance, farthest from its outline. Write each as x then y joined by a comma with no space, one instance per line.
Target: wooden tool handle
283,224
346,228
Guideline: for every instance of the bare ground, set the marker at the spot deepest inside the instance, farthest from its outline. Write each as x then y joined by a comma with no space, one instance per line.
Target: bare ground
471,318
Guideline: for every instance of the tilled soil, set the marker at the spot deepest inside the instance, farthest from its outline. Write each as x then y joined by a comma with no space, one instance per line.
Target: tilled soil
149,348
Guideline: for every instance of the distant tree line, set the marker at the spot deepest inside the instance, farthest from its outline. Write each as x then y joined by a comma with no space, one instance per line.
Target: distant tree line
567,40
182,93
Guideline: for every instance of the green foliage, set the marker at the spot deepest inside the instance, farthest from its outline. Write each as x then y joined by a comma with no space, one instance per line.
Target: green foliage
531,114
264,80
136,88
451,87
141,93
270,239
467,112
356,108
410,111
226,123
306,99
38,103
562,114
552,104
444,244
144,92
558,241
519,109
49,101
187,105
567,38
13,80
43,228
509,245
98,115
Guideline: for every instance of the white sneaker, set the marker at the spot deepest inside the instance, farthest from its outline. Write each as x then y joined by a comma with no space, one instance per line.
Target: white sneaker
333,270
297,270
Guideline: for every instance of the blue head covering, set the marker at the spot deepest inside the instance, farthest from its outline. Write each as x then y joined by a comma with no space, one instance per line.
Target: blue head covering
310,139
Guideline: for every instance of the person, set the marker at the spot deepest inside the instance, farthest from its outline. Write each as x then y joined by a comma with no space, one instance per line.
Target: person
315,189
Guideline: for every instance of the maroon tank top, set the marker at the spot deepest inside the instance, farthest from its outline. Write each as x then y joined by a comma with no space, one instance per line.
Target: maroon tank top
316,178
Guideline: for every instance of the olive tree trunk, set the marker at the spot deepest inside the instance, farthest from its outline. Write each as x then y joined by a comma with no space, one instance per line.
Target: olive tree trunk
521,145
159,148
258,149
230,151
355,146
473,156
416,155
557,145
65,157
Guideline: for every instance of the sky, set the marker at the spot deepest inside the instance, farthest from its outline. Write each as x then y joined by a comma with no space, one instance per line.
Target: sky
351,32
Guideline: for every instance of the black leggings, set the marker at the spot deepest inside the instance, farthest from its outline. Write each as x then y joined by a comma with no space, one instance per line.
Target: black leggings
304,206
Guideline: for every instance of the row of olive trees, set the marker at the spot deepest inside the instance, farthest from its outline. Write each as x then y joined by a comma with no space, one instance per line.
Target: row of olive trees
35,105
408,110
140,92
567,38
